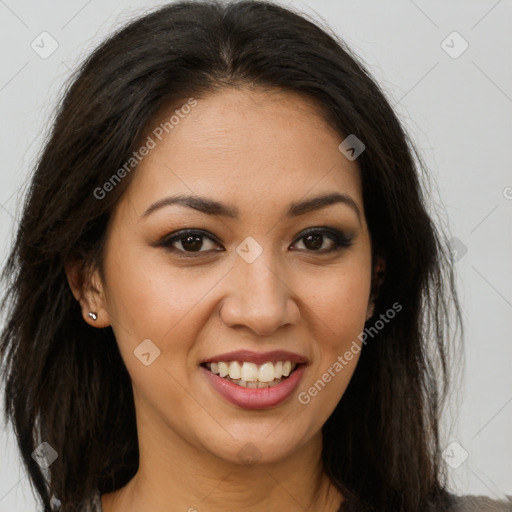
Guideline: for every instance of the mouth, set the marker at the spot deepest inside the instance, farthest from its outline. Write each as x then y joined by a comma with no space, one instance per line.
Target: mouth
251,375
252,380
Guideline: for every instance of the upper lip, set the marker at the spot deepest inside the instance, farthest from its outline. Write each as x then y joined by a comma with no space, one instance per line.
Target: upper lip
257,357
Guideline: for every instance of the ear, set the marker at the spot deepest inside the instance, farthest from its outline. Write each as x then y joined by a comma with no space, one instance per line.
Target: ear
87,288
378,273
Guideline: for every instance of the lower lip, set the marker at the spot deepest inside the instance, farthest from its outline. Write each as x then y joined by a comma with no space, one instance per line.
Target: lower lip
250,398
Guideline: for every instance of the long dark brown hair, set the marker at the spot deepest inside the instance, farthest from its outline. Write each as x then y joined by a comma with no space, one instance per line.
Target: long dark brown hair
65,381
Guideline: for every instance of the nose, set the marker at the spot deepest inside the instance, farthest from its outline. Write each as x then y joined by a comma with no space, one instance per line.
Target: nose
259,297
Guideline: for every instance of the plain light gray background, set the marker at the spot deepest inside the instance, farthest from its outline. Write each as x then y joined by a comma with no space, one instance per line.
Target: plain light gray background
457,108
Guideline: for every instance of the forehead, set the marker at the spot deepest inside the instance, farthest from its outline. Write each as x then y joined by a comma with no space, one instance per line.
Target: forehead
258,148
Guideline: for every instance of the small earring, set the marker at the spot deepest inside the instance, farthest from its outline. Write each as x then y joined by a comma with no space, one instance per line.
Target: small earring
94,316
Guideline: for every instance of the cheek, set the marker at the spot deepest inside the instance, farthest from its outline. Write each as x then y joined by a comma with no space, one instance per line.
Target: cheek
339,304
148,297
338,310
156,309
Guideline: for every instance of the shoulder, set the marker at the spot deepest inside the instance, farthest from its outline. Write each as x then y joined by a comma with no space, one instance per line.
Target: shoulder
480,504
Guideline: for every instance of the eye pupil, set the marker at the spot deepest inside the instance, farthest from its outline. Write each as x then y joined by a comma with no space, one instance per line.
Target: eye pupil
317,241
195,240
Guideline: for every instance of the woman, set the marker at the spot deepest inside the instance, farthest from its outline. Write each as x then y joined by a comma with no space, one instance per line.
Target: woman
226,292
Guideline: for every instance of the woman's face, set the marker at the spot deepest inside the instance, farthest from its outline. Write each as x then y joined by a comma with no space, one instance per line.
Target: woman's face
249,279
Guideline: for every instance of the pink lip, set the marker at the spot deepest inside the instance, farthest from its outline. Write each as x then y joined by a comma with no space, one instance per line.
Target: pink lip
257,358
249,398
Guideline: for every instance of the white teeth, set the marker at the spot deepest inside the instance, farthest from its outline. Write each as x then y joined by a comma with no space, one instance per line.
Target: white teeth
251,375
278,370
266,373
223,369
235,370
249,372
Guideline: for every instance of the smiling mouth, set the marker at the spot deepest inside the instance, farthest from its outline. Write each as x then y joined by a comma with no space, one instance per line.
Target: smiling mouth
251,375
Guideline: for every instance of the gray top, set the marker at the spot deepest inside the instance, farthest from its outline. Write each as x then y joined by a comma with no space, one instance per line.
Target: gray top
462,504
481,504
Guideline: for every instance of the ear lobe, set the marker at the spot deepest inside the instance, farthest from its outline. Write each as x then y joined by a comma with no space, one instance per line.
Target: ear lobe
88,291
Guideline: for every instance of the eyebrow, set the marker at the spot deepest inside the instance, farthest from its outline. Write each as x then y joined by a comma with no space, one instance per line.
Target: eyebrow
212,207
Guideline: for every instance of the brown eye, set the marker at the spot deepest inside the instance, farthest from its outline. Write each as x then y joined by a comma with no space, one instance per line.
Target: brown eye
314,239
187,242
191,242
314,242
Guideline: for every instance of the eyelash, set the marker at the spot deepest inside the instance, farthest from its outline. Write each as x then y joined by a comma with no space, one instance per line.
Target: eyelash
341,241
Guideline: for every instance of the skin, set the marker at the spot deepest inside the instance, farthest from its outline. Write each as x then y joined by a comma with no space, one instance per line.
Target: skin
259,151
